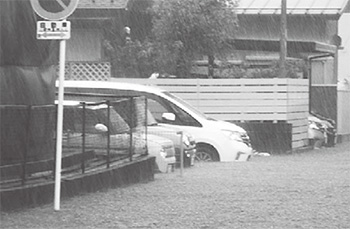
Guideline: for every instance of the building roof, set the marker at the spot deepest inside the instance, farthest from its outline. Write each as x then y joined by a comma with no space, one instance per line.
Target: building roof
297,7
103,4
294,7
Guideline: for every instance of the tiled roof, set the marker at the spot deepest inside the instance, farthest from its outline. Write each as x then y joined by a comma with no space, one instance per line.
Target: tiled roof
326,7
103,4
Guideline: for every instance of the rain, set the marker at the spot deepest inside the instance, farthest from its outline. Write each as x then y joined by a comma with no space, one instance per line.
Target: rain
174,113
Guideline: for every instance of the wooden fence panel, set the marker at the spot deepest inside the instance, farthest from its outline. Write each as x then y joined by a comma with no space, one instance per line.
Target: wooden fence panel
265,95
231,96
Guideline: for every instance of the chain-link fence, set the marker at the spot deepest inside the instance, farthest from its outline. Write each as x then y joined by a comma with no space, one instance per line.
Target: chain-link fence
96,129
95,136
27,141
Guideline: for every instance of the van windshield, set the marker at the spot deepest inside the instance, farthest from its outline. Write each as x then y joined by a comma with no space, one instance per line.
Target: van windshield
188,106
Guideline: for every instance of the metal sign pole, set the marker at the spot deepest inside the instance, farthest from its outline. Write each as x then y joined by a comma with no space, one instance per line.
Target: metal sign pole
59,125
57,28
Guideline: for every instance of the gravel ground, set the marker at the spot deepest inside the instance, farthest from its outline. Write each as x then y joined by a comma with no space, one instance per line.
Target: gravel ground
302,190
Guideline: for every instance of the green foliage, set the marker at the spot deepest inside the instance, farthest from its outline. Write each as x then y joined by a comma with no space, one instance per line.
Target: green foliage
202,27
139,60
233,72
181,30
132,60
295,69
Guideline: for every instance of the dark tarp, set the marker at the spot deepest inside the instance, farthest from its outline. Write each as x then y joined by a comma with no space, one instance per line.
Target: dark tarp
27,77
26,72
22,85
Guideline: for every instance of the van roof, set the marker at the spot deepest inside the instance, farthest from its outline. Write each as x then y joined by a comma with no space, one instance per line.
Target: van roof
112,85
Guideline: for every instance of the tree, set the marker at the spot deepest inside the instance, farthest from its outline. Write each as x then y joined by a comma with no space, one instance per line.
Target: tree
202,27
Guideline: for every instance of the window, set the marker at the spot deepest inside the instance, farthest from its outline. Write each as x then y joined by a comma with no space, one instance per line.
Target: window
158,106
156,109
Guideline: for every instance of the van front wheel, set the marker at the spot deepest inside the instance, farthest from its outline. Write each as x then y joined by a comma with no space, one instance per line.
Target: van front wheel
205,154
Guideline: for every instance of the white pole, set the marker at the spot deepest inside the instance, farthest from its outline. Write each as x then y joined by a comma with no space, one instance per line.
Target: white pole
59,125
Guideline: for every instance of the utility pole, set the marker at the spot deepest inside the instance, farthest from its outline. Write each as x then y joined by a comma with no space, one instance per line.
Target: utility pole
283,39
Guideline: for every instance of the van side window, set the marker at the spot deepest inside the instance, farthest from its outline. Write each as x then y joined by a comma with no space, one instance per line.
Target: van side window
156,109
182,118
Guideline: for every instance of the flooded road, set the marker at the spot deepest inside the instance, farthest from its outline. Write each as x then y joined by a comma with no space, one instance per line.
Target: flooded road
304,190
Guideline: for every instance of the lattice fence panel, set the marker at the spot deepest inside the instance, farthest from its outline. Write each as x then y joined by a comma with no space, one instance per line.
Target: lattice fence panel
97,71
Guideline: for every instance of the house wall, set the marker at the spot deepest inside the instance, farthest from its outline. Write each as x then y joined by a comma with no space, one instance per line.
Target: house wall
344,78
343,124
322,71
344,53
85,45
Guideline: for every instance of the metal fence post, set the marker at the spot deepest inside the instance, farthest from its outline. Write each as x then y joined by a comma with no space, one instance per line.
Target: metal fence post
131,127
83,139
146,124
26,147
108,132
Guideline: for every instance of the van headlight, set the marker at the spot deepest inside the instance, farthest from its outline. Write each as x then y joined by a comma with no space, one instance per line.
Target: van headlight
233,135
162,153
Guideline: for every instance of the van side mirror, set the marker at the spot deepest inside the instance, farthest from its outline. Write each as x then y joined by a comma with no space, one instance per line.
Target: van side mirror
101,128
169,116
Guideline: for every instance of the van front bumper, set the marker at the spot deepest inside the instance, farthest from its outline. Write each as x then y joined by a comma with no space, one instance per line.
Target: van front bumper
233,149
188,157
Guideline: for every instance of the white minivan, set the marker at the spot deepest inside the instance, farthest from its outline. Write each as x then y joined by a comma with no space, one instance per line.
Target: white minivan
216,140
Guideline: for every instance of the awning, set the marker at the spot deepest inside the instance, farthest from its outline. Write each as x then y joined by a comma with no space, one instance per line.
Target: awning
292,46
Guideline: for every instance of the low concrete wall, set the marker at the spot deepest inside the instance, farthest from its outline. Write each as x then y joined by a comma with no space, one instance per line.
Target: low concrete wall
274,138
